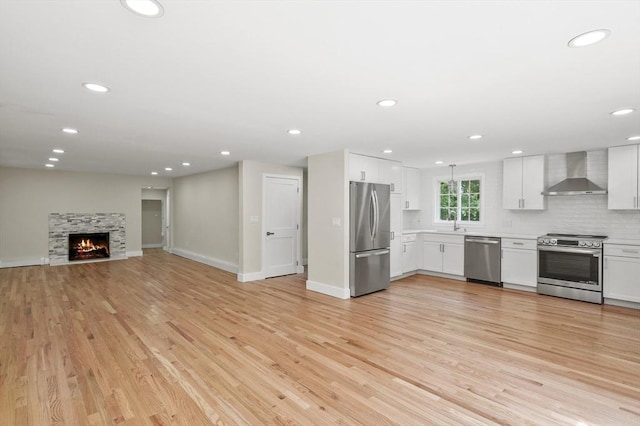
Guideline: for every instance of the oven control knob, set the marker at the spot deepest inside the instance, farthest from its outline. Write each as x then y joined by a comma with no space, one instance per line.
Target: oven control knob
582,244
588,243
554,242
596,244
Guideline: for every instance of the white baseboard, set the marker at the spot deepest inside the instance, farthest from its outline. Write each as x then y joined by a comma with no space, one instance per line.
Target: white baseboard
134,253
144,246
251,276
299,269
24,262
216,263
623,303
329,290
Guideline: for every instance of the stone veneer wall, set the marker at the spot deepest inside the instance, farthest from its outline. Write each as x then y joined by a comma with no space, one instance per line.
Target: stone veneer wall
63,224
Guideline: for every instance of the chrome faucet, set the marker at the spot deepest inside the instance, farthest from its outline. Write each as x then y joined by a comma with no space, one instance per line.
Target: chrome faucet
455,225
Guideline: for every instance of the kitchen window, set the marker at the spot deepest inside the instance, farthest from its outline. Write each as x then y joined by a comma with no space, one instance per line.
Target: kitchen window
459,201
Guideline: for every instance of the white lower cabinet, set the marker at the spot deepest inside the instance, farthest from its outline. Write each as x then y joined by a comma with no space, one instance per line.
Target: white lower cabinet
443,253
409,253
621,280
519,262
395,214
395,266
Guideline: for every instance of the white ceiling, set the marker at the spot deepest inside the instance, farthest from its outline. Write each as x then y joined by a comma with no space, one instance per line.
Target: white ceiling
235,75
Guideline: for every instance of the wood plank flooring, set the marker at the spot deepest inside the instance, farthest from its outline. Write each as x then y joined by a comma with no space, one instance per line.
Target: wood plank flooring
163,340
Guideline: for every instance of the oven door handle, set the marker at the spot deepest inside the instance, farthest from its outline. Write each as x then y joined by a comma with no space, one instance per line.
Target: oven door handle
595,252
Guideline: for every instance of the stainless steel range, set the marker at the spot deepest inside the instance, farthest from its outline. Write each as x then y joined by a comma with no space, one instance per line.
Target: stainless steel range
570,266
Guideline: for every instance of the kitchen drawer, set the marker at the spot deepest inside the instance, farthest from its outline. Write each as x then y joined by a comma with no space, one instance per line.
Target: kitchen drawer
621,250
407,238
519,243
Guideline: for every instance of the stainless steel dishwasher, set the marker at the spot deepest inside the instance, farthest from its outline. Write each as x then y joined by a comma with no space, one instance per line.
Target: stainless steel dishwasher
482,259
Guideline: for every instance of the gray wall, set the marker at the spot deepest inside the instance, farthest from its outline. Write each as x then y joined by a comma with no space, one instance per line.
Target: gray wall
27,196
205,217
328,221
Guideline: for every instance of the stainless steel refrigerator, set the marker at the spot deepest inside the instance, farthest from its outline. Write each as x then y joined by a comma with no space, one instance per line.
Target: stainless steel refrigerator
370,237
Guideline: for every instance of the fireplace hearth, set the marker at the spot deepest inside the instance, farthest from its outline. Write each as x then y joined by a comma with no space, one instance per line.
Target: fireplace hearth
89,246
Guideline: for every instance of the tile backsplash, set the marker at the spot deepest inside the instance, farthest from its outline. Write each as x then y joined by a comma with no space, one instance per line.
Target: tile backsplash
566,214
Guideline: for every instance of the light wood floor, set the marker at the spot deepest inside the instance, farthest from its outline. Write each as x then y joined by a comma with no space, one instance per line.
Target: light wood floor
164,340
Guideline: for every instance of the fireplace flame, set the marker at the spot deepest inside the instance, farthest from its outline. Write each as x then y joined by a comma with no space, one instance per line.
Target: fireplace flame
87,246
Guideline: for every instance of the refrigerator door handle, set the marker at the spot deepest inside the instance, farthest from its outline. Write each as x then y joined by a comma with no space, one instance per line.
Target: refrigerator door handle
376,213
371,215
372,253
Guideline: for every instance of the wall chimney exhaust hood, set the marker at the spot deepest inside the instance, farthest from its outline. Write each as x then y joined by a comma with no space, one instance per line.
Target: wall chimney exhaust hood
576,182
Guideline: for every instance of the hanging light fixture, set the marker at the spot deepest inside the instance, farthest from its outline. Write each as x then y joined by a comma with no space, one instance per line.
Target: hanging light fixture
453,185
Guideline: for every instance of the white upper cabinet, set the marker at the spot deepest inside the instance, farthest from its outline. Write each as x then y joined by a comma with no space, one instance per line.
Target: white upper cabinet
523,183
624,177
411,189
390,172
363,168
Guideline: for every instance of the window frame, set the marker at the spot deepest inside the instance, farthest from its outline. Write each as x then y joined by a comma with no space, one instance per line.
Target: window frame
459,178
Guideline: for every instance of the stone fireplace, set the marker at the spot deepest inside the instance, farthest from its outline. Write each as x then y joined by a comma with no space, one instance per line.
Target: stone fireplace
69,237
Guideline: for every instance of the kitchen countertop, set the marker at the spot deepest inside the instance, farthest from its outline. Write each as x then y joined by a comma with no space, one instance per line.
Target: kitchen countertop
474,233
619,240
610,240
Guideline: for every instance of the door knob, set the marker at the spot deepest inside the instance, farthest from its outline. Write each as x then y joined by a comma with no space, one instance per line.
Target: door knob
270,233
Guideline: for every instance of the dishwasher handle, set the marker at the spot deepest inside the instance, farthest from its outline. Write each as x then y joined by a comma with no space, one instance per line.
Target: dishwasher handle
473,240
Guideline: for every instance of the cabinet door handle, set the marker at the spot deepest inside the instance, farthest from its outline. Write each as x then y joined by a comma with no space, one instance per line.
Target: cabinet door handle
606,263
363,175
517,244
523,203
404,248
406,204
393,187
519,203
501,253
393,235
629,251
441,248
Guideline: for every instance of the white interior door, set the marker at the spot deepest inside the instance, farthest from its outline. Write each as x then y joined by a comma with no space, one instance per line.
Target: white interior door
281,225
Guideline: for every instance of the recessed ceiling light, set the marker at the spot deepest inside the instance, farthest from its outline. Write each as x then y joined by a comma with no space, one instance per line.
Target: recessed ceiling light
294,131
225,153
624,111
49,165
633,138
387,102
387,151
439,162
154,173
473,137
70,130
589,38
95,87
54,159
168,169
186,164
517,151
58,151
147,8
